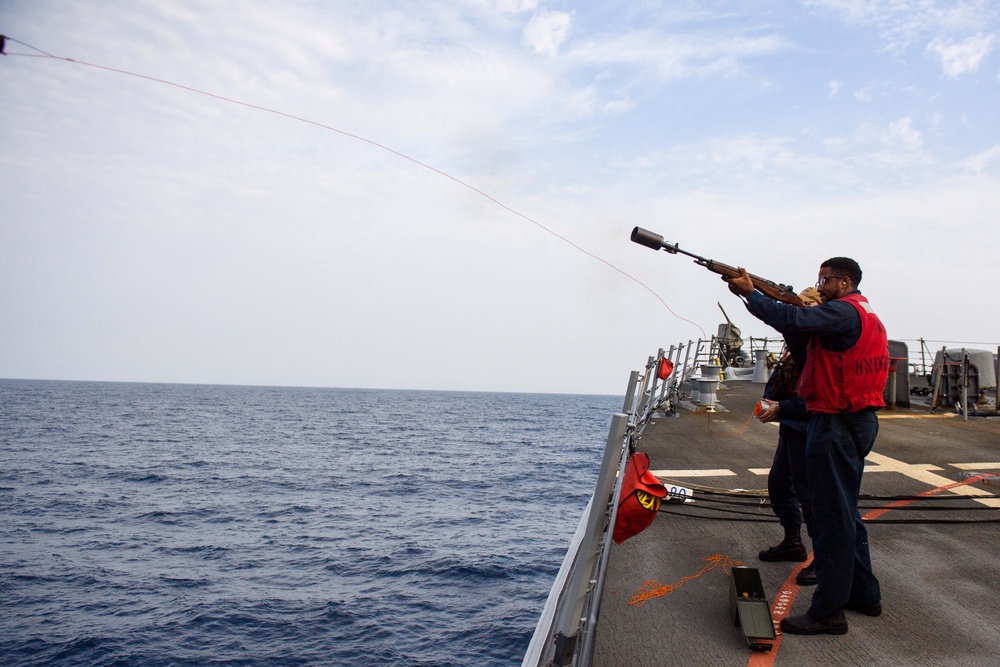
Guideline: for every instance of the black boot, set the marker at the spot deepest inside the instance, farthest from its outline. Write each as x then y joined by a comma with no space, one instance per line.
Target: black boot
807,575
805,624
790,548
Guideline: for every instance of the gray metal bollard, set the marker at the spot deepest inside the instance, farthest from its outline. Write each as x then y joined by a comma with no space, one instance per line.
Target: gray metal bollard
706,391
760,372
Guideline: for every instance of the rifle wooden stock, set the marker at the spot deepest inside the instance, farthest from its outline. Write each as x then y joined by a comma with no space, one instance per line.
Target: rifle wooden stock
772,289
783,293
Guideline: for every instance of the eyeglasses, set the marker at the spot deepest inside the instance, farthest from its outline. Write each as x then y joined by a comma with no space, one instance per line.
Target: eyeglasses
825,279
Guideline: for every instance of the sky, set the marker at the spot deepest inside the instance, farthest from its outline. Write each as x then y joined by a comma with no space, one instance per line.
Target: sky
439,194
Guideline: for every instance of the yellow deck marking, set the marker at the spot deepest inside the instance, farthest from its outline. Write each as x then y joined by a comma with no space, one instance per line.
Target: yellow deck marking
719,472
921,473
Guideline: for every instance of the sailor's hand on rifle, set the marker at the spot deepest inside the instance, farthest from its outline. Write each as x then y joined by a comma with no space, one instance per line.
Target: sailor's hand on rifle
740,285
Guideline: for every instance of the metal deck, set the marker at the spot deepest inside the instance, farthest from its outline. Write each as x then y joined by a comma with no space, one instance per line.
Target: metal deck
940,581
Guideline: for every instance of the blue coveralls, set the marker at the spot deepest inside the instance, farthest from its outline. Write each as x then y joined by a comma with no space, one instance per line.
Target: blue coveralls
836,447
786,481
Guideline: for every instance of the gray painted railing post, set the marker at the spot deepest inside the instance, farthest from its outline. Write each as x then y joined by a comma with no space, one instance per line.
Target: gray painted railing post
687,355
568,619
645,392
633,379
656,376
965,385
663,389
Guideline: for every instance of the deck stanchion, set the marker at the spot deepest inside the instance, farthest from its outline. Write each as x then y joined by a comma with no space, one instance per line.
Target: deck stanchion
633,380
965,385
687,355
647,390
568,617
663,387
936,394
655,370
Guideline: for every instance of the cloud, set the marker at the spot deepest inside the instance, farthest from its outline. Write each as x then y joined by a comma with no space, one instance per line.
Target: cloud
982,161
546,31
675,56
516,5
966,56
902,135
898,135
731,163
588,102
834,87
901,23
508,6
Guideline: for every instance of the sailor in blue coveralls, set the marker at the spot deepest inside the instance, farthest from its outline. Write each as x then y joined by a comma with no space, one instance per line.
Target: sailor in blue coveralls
786,481
847,364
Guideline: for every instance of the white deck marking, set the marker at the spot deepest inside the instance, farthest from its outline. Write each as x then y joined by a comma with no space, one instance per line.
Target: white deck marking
868,468
926,415
914,466
718,472
976,466
921,473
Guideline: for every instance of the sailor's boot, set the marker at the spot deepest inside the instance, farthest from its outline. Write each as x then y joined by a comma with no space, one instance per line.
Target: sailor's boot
789,549
807,575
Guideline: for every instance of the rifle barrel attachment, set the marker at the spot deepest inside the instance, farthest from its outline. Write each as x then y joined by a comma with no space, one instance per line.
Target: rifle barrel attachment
647,238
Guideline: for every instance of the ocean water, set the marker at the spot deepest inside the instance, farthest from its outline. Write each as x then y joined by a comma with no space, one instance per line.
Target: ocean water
146,524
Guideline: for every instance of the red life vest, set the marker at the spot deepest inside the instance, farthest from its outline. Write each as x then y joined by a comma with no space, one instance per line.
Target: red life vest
852,380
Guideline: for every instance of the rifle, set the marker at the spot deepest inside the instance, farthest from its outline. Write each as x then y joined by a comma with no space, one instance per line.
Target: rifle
772,289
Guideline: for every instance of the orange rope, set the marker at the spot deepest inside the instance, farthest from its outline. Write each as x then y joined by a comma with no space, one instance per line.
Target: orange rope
376,144
708,425
652,589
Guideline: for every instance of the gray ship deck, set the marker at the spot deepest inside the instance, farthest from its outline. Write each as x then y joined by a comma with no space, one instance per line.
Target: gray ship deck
940,581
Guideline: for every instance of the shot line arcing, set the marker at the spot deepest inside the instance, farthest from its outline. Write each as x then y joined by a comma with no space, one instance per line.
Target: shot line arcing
370,142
